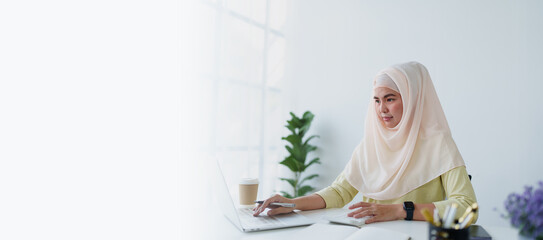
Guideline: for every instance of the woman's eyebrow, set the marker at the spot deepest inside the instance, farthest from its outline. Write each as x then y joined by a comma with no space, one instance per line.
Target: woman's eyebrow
388,95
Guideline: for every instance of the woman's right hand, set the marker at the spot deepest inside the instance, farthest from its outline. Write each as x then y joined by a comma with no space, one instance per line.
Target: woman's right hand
274,210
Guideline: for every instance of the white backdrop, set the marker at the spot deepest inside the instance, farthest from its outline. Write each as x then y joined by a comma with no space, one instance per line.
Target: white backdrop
99,138
484,59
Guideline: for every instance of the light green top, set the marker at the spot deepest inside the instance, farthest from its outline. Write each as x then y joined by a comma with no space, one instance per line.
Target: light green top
452,186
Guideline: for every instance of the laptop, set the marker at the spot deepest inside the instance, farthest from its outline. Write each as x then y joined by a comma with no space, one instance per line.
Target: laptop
243,218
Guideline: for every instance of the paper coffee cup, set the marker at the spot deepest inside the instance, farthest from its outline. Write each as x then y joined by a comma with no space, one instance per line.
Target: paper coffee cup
248,190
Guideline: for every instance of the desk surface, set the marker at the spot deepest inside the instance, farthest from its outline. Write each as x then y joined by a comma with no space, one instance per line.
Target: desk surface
219,227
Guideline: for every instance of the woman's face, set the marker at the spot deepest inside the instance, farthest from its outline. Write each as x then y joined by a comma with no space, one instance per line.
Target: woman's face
388,106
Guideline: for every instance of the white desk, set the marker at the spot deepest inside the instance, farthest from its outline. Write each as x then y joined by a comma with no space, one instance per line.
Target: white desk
219,227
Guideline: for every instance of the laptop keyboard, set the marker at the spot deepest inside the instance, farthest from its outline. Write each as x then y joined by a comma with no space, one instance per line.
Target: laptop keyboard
247,219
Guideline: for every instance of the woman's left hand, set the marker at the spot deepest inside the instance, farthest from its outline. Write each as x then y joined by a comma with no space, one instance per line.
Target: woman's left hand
378,212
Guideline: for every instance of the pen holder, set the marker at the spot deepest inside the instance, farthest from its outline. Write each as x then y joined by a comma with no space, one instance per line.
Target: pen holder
438,233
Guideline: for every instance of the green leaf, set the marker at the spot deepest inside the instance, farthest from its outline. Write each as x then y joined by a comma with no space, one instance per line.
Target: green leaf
293,124
291,128
304,190
292,164
315,160
295,140
306,122
297,151
308,116
287,195
309,178
296,155
292,182
295,121
290,150
307,140
304,128
309,148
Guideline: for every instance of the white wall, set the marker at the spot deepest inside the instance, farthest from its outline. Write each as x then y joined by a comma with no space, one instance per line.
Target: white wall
484,59
89,120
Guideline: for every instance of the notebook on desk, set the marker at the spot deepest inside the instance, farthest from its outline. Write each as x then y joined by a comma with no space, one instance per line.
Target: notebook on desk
341,232
243,218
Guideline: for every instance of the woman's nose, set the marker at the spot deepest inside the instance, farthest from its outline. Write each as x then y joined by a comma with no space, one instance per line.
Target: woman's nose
383,108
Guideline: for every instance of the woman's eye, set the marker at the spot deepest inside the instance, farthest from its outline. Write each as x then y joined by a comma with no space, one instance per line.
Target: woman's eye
390,99
376,101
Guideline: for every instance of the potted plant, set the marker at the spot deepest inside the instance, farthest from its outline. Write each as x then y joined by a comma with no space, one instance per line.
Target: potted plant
298,149
526,212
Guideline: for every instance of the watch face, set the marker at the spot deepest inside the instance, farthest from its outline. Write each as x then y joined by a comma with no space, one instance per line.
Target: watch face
409,205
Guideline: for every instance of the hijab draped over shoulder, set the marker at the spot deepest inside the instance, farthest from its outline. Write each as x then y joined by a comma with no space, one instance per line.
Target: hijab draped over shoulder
391,162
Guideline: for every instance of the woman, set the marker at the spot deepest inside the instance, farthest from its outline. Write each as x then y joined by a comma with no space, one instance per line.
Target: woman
407,160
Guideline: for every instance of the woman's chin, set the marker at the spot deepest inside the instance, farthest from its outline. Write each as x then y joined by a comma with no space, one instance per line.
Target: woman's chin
390,124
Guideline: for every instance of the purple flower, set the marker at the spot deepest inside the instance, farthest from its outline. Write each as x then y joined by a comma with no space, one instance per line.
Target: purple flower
526,211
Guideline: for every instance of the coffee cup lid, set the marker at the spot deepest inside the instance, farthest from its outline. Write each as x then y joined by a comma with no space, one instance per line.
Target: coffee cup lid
248,181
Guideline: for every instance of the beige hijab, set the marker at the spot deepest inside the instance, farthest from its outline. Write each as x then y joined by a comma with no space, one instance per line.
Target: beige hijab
391,162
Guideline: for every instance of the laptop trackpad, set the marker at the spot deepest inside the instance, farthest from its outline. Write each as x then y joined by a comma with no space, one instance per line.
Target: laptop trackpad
291,218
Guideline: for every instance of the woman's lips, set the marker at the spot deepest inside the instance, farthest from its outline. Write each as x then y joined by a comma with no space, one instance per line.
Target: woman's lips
386,119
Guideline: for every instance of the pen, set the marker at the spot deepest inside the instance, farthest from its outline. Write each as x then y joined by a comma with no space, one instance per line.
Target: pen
468,210
437,220
445,215
426,213
449,219
472,208
467,221
278,204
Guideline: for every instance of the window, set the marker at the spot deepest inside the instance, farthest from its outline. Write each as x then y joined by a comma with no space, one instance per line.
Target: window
244,55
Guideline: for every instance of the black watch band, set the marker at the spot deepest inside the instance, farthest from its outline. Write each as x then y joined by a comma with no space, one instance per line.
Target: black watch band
409,208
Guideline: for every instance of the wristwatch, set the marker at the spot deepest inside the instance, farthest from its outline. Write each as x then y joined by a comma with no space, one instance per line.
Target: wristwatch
409,207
